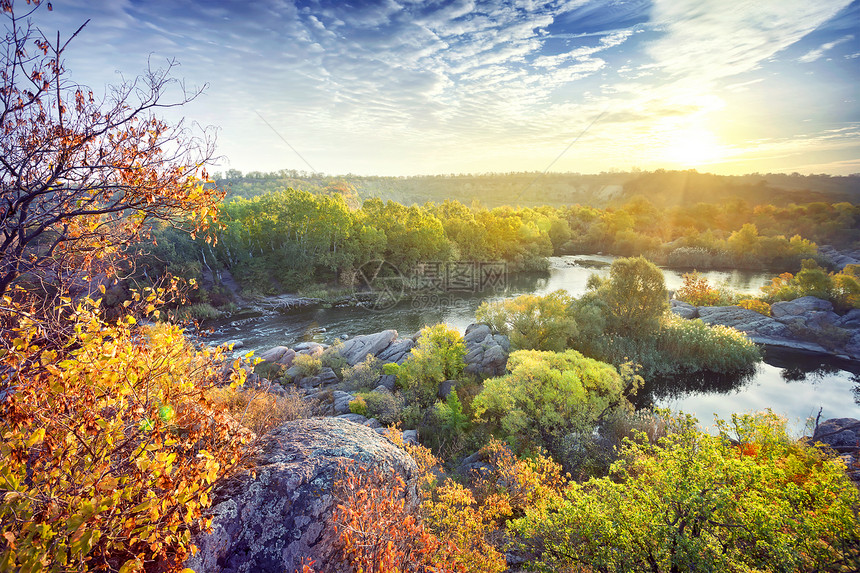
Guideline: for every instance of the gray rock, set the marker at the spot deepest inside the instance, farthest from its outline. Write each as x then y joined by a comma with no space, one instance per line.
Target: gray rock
495,360
410,437
446,388
273,354
309,348
287,358
851,320
503,341
341,401
372,423
841,434
271,521
684,309
475,354
476,332
354,418
327,376
388,381
381,390
397,351
799,306
356,349
237,344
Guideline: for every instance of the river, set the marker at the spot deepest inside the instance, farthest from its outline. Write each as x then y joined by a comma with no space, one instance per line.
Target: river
795,386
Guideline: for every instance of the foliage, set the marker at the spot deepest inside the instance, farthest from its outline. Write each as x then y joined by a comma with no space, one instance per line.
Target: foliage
307,365
260,410
635,295
755,304
110,446
358,405
364,375
548,395
437,356
691,345
83,175
450,511
378,532
752,501
533,322
384,406
697,291
842,289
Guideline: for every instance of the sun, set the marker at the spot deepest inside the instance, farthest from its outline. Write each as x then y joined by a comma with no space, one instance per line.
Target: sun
692,147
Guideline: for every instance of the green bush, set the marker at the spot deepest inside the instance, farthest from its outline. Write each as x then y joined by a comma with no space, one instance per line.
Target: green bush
364,375
358,406
692,345
548,395
384,406
436,357
533,322
747,500
308,365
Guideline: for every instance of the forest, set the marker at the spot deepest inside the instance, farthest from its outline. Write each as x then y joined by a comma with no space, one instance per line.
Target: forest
120,430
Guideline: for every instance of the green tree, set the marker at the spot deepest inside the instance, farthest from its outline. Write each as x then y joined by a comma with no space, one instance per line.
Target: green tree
749,499
636,296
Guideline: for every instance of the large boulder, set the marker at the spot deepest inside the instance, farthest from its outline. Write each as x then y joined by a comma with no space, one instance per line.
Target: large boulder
684,309
268,523
841,434
356,349
799,306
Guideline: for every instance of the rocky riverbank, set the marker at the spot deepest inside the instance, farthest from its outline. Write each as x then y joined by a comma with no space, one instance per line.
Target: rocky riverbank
806,324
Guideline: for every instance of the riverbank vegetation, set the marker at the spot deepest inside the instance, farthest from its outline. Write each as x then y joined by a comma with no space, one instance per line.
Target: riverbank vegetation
295,240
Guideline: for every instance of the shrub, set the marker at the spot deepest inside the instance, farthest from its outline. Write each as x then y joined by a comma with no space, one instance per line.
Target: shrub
696,291
436,357
308,365
364,375
755,304
635,295
378,532
752,501
533,322
259,410
692,345
384,406
110,446
547,395
358,406
332,358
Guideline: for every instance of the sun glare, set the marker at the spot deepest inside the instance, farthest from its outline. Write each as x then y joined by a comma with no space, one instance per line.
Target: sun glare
691,147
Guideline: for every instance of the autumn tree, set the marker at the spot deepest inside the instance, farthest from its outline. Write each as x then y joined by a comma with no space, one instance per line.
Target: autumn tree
83,175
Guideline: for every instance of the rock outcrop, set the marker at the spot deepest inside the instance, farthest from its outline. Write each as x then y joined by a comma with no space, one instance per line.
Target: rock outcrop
268,523
806,324
486,353
843,436
357,349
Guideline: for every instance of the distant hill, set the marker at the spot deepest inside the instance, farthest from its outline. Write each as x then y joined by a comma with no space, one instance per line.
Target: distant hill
662,188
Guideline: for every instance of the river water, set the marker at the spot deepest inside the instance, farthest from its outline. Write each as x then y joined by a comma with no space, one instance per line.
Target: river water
792,385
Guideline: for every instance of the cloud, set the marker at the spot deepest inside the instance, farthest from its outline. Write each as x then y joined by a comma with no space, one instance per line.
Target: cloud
713,39
815,54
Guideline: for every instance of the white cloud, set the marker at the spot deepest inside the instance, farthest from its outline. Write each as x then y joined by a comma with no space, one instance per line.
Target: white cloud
815,54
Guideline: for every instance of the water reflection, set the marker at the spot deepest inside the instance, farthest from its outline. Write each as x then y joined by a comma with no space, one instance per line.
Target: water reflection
662,389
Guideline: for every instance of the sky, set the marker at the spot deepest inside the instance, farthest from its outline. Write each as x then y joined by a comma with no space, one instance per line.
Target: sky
399,87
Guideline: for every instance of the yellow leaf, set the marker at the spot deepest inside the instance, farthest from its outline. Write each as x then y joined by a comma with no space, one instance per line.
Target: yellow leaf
102,289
